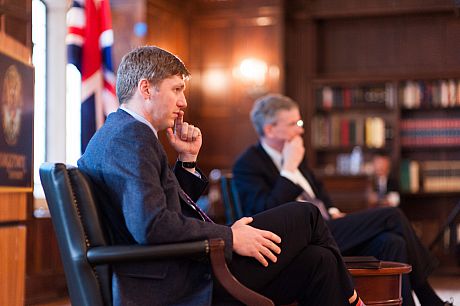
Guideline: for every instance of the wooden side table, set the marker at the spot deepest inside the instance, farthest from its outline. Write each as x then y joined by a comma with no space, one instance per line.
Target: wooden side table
380,287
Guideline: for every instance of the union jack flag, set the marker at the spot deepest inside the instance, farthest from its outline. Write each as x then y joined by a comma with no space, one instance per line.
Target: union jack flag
89,47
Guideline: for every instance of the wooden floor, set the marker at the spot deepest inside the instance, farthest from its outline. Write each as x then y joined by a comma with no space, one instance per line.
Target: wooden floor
63,302
447,287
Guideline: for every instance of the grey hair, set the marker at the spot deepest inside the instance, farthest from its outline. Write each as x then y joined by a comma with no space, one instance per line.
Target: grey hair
149,62
266,108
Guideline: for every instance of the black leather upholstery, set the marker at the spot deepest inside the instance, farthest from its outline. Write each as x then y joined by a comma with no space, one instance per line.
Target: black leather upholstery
86,253
230,198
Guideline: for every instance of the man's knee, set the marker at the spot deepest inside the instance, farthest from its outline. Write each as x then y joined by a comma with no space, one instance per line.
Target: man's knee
392,240
393,247
320,257
303,209
394,217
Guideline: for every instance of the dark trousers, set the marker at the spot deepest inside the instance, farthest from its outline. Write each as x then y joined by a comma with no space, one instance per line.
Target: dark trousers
309,269
386,234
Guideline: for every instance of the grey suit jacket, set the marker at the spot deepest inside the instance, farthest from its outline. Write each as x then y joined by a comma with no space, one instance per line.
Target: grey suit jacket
139,197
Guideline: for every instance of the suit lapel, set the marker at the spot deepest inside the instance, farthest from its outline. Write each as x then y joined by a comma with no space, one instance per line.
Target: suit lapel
271,168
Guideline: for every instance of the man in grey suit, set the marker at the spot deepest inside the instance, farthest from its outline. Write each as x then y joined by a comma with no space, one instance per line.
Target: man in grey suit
286,254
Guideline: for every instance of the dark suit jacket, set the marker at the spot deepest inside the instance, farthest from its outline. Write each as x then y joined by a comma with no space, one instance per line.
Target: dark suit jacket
140,201
392,184
261,186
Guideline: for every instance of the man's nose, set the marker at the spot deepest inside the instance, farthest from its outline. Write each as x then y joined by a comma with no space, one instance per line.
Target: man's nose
182,102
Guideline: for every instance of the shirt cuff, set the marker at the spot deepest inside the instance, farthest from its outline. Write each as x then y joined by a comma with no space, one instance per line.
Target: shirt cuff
393,198
290,176
197,174
333,211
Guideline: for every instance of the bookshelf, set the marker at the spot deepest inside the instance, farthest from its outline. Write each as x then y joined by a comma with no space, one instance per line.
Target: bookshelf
403,56
349,115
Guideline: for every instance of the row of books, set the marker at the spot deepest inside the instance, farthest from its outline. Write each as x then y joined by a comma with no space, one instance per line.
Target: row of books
430,131
431,176
380,95
430,94
343,131
409,176
411,95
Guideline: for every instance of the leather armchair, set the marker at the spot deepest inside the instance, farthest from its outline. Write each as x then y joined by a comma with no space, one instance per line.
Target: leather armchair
87,255
230,198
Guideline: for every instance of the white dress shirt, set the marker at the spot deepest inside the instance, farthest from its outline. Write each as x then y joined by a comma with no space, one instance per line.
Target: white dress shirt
296,177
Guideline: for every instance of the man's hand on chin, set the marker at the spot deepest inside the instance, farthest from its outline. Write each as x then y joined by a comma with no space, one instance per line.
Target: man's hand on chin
185,138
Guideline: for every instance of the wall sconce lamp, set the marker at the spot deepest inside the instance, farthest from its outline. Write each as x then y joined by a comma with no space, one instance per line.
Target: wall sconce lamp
215,81
253,71
255,75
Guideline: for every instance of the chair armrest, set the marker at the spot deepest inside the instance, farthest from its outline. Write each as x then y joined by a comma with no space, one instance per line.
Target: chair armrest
229,282
134,253
214,247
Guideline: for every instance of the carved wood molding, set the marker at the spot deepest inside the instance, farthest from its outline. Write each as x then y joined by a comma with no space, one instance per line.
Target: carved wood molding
14,49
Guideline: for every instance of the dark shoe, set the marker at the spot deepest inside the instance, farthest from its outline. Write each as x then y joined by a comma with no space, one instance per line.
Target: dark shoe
451,303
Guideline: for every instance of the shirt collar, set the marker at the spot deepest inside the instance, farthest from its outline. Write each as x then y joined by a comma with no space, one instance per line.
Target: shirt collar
139,118
274,155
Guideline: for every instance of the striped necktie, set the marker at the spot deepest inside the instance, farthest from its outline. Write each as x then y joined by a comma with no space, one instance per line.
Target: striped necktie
194,206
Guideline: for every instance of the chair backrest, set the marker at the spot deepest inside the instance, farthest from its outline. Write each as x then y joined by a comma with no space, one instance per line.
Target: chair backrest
230,198
78,227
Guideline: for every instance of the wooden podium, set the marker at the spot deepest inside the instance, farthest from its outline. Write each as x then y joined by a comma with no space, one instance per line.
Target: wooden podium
380,287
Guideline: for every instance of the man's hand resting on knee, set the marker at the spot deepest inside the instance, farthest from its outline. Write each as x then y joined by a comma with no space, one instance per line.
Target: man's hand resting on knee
253,242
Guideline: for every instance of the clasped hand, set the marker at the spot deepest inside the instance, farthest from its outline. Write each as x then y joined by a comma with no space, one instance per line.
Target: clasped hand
253,242
293,152
185,138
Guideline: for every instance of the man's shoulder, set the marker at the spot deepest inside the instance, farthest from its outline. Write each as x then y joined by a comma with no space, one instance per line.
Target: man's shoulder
250,155
119,130
249,152
122,124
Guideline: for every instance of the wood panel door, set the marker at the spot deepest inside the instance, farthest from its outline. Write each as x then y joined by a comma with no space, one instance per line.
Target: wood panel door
12,264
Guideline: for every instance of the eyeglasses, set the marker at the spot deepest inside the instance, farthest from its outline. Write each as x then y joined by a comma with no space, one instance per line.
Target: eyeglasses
298,123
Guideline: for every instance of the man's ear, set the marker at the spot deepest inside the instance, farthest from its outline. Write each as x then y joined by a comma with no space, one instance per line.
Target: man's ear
144,88
268,130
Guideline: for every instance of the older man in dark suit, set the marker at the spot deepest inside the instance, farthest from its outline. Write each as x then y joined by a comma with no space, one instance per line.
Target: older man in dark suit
286,254
275,171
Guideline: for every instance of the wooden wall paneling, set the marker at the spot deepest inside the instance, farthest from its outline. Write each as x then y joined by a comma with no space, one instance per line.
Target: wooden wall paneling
349,47
15,27
125,15
212,87
45,279
354,8
222,36
395,45
13,48
301,65
22,5
429,48
214,7
12,264
166,22
211,84
265,42
13,210
168,26
450,35
17,20
13,207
